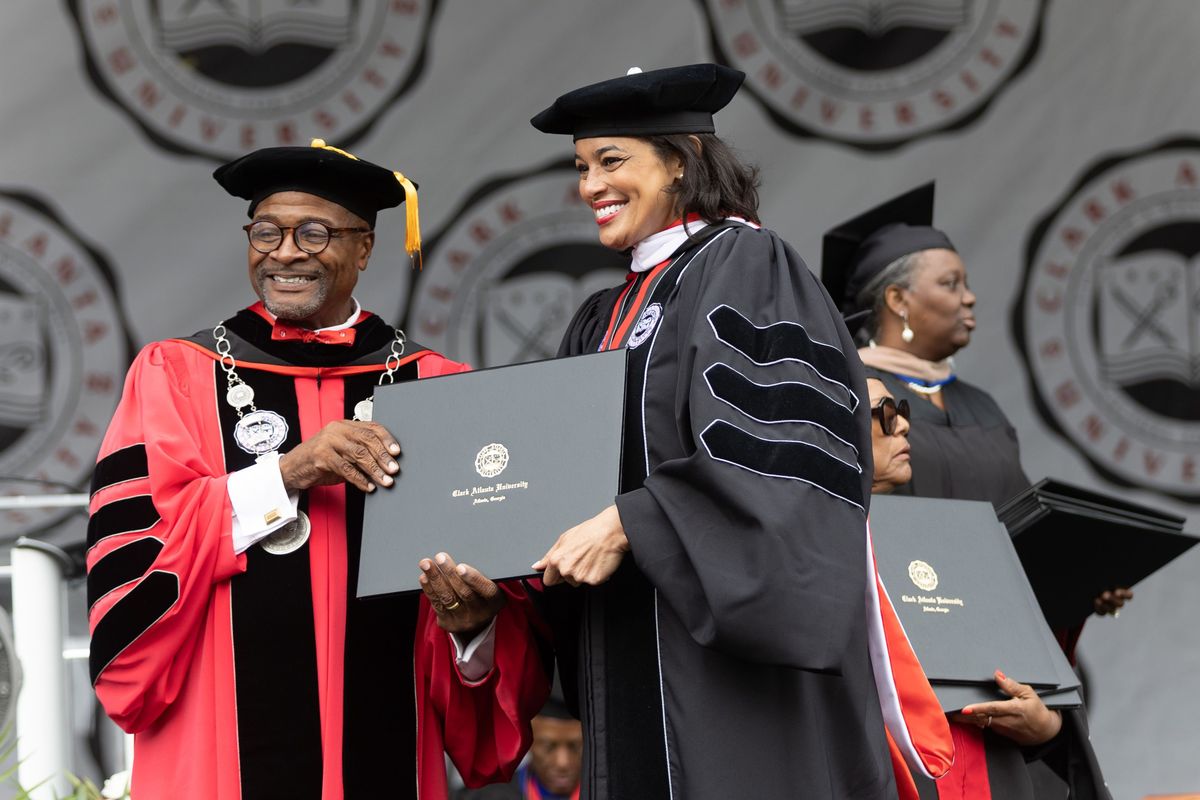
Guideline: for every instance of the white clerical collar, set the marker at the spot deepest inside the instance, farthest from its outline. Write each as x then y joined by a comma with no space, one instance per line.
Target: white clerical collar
658,247
353,318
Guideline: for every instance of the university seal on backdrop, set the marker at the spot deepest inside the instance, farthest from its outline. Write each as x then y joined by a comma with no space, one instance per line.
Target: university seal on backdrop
221,77
503,278
1108,319
64,350
875,73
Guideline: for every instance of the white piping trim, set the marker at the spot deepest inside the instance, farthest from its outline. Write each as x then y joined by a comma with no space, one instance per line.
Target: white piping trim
108,486
662,698
857,468
133,580
698,252
151,526
746,414
154,622
737,349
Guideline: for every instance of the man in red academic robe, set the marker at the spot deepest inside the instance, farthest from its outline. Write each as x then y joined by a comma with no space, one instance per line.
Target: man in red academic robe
225,533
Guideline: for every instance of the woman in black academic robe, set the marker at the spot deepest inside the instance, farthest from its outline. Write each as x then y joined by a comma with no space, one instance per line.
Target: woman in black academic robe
904,290
718,647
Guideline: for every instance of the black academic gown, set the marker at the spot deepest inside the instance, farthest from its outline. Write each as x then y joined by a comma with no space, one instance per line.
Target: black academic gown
727,657
969,452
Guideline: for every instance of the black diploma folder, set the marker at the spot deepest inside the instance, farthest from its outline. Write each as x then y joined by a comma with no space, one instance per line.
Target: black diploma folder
495,465
958,588
1075,544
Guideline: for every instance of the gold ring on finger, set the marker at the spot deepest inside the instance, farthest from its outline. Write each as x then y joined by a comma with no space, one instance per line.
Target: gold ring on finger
453,605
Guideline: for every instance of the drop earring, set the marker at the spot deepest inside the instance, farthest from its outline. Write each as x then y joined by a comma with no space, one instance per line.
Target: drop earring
907,333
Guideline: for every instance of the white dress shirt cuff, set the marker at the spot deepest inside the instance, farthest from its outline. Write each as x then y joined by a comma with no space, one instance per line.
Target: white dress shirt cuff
261,504
475,660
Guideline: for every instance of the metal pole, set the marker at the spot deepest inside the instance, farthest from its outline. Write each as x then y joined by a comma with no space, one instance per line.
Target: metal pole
39,616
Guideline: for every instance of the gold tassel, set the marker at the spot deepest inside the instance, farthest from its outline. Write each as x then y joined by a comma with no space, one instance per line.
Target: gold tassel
412,219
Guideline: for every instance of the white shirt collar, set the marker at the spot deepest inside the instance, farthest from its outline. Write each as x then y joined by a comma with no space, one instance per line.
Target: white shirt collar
353,318
658,247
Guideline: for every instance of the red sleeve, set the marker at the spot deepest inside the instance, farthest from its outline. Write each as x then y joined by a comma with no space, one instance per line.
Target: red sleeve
159,534
484,727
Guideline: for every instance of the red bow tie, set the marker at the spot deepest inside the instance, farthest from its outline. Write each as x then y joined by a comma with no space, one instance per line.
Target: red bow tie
282,332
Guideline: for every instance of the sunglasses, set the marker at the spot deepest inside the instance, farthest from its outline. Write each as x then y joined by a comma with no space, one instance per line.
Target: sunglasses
886,411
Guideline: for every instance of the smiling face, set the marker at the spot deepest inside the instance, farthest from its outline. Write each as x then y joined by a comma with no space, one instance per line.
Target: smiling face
623,179
892,466
310,290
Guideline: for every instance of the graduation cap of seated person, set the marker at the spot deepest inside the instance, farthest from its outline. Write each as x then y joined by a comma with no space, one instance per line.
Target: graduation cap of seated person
654,103
358,186
856,251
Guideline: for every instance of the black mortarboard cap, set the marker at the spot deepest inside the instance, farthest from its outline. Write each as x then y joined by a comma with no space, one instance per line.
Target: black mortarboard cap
358,186
857,250
662,101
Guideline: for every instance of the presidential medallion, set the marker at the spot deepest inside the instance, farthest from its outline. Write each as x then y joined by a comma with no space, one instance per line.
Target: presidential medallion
260,432
364,410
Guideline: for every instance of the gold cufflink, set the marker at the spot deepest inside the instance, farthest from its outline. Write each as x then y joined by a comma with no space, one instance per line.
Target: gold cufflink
271,516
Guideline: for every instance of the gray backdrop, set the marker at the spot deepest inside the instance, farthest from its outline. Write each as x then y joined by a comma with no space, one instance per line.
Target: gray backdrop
1060,132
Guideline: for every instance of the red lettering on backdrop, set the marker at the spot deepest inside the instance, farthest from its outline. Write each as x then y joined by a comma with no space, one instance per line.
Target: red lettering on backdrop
121,60
148,95
66,270
799,98
247,136
98,383
943,99
1122,191
85,299
443,294
5,225
1152,461
176,116
1121,449
36,245
1185,175
1051,349
1067,394
325,119
905,114
510,212
433,328
829,110
404,6
745,44
771,75
1093,427
94,331
1094,211
988,56
1187,469
84,427
458,260
1056,270
391,49
372,76
969,80
286,133
210,128
1073,237
351,100
105,14
481,233
1049,303
1007,29
866,118
67,457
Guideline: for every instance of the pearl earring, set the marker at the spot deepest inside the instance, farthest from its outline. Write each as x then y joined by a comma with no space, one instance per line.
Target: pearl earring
907,333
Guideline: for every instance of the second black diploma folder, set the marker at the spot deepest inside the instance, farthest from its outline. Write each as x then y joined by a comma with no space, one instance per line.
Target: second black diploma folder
495,465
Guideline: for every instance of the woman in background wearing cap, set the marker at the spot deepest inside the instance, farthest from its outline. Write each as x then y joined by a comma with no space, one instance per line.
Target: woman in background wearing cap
904,290
720,647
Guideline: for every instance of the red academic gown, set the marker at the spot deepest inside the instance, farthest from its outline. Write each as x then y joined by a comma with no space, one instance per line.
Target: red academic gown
258,675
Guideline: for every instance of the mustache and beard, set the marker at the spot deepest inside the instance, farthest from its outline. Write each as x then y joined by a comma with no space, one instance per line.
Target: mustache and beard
286,308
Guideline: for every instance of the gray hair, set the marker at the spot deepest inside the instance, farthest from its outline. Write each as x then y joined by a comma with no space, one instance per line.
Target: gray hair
898,273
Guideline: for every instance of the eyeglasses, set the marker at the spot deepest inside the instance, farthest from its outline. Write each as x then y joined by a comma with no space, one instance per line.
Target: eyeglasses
886,411
311,237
